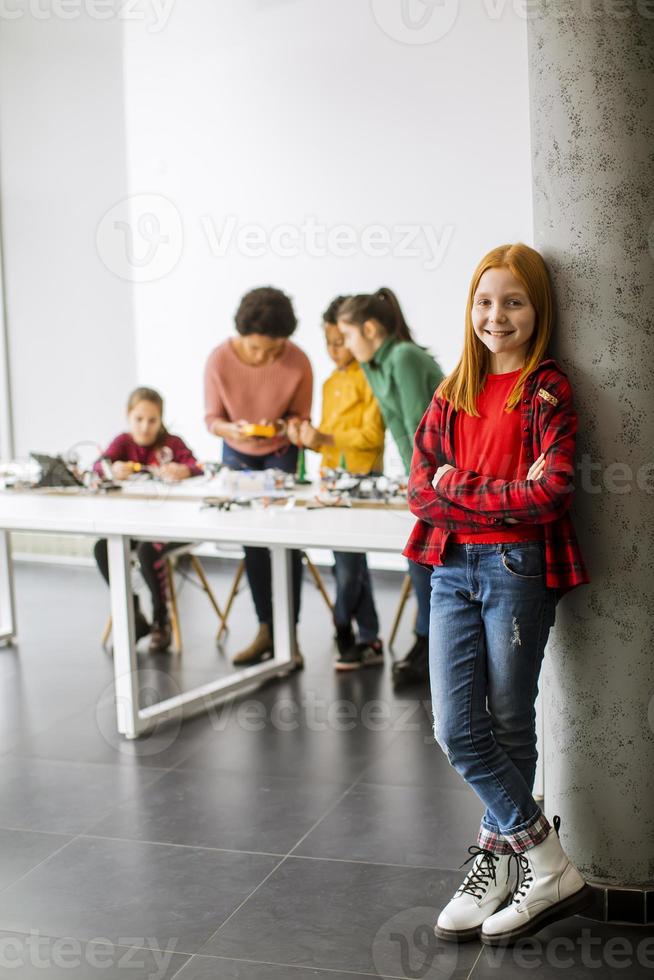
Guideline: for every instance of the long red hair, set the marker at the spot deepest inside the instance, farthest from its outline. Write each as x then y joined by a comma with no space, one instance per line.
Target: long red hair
463,385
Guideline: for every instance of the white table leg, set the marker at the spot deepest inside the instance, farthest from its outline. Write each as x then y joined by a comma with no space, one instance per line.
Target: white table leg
283,617
124,640
7,602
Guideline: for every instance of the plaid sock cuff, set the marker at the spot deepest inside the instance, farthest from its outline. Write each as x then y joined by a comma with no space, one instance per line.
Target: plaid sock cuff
493,841
529,836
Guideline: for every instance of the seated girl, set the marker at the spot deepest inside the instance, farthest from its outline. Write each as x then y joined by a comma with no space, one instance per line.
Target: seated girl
147,444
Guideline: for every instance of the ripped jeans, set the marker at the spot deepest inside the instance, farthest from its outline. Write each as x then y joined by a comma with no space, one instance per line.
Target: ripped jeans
491,614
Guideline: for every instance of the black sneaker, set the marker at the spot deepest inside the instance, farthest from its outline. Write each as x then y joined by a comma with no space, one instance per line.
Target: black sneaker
414,669
345,640
361,655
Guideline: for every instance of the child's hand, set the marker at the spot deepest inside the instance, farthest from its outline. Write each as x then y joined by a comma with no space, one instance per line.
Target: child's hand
439,472
293,431
310,437
537,468
121,470
174,471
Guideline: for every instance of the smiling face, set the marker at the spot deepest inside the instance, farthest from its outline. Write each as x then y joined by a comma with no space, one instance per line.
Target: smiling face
144,423
503,318
336,348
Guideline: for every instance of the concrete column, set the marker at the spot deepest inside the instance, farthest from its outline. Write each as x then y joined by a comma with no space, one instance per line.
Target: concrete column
591,66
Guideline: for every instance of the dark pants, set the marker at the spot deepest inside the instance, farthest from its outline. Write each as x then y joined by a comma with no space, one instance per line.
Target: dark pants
421,582
354,598
257,560
150,555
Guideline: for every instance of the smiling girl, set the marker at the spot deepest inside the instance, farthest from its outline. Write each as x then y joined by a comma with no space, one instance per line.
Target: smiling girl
492,483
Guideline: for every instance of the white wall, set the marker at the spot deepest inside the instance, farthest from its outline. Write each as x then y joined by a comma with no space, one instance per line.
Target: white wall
267,112
62,154
254,112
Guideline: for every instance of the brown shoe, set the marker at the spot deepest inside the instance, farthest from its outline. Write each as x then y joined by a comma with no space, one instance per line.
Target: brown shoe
298,659
160,637
259,650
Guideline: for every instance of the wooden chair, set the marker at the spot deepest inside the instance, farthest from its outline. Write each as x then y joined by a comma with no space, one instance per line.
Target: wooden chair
405,592
315,574
172,558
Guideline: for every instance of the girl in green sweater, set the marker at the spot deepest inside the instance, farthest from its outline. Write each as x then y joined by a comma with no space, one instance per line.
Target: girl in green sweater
403,377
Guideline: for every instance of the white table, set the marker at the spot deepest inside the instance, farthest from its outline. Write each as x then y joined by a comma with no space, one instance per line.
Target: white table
179,516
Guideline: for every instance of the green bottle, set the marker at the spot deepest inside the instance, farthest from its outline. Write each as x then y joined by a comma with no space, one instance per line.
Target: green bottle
301,476
342,465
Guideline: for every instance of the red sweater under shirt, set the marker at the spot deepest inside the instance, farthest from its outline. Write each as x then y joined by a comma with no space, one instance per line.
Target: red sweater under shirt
491,445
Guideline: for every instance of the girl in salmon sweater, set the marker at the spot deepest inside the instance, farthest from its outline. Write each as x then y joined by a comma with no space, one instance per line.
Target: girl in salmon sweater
491,483
260,377
147,444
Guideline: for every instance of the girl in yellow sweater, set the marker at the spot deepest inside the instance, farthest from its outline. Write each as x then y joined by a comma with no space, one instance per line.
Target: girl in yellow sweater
351,429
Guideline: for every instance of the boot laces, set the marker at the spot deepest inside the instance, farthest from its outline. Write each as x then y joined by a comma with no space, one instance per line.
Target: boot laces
476,881
524,871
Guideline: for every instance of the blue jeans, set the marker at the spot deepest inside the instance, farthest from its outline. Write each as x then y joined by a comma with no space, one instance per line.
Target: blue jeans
491,614
257,560
354,598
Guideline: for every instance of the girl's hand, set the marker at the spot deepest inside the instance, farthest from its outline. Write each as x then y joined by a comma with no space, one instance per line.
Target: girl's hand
174,471
293,427
537,468
535,472
439,472
121,470
309,436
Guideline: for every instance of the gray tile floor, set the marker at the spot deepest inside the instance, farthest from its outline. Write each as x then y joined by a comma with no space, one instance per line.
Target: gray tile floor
309,829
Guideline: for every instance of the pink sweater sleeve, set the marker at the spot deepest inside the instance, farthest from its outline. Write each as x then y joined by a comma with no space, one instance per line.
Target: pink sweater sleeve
214,407
303,395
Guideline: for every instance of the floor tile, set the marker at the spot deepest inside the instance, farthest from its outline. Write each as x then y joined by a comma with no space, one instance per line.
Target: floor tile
132,894
211,968
248,812
22,850
64,797
414,825
352,917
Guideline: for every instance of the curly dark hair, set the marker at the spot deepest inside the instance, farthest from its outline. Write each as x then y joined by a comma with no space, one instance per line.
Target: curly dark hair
267,311
331,313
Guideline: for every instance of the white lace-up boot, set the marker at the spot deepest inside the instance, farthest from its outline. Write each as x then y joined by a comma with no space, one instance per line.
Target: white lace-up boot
484,889
551,888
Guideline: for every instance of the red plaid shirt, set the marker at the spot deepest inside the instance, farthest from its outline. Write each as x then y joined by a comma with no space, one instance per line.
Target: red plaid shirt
467,501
